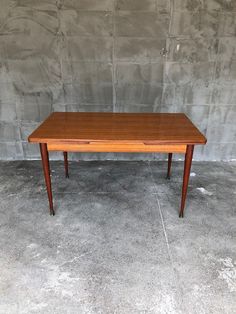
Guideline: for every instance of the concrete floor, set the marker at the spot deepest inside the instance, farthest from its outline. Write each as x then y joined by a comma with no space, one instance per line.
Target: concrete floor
116,244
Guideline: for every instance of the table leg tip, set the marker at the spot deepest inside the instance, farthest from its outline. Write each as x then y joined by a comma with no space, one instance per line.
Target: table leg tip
181,215
168,177
67,176
52,212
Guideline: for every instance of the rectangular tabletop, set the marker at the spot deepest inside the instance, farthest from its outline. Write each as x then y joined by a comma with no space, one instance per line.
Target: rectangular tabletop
145,128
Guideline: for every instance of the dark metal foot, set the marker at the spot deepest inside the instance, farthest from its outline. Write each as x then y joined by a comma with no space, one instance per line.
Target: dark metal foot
181,215
168,177
52,212
67,176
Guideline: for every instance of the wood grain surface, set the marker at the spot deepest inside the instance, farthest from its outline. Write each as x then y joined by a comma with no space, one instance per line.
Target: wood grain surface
117,128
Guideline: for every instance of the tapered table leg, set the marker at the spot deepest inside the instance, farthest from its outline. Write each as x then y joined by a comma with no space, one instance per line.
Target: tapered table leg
169,165
48,161
46,170
187,168
66,164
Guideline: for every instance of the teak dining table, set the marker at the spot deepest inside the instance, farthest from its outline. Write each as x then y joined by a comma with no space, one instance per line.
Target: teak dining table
117,132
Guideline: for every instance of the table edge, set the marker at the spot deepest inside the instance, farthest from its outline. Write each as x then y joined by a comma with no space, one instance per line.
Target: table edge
147,142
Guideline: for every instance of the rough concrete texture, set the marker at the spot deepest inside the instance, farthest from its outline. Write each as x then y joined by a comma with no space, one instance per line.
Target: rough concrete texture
116,244
118,55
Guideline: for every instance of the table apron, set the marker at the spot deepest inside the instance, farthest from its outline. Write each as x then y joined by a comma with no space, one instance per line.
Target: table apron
100,147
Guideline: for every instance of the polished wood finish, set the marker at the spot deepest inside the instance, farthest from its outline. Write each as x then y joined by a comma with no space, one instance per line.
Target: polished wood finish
169,165
117,132
187,169
149,128
65,154
111,147
46,169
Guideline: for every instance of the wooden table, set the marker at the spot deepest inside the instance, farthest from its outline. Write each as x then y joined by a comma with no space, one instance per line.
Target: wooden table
117,132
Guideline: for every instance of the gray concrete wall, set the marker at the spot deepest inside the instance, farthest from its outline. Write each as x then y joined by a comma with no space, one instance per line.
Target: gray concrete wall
121,56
